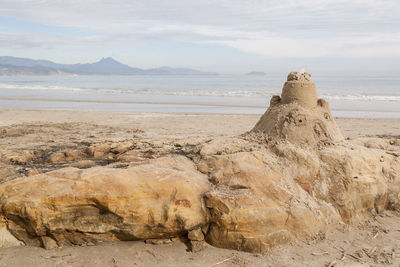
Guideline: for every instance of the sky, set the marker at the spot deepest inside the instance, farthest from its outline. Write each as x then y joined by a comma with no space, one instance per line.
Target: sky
226,36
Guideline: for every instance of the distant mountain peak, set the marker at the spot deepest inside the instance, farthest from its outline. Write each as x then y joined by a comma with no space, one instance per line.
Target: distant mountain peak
105,66
108,59
256,73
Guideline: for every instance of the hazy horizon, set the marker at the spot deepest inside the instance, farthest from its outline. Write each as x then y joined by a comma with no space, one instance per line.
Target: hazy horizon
228,37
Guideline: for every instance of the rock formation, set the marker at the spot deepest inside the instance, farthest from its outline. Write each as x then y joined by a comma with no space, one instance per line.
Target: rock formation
73,207
291,177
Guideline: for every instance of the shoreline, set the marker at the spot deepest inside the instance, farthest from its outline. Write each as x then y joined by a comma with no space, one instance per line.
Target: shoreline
159,125
179,113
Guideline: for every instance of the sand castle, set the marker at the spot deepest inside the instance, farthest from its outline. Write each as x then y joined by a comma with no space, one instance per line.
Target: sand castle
250,192
298,116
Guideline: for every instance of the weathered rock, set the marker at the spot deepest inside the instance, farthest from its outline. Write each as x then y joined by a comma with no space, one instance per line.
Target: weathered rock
84,164
100,149
33,172
48,242
72,206
6,238
256,206
57,157
16,157
123,147
7,171
196,235
197,246
130,156
74,154
262,199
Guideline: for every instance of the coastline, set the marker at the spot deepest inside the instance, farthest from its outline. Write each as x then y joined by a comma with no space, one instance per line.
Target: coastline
175,125
349,96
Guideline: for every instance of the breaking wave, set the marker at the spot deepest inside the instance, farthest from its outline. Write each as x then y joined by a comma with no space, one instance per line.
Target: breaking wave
261,93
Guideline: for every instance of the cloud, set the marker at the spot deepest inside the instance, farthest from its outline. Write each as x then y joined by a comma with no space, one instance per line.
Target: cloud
273,28
374,45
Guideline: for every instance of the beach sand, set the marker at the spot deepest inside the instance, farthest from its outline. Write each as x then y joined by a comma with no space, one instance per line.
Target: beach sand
375,241
167,125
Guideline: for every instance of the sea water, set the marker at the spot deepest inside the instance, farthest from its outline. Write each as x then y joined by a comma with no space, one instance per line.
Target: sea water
349,95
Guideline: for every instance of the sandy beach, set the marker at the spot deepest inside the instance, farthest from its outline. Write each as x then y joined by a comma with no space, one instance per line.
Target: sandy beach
167,125
199,133
374,241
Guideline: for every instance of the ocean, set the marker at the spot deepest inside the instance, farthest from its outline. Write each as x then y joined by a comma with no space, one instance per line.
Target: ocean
354,96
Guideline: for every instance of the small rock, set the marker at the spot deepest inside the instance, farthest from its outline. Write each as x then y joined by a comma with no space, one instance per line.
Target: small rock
158,241
196,235
48,242
17,157
33,172
98,150
98,154
84,164
130,156
205,228
72,155
122,147
57,157
197,246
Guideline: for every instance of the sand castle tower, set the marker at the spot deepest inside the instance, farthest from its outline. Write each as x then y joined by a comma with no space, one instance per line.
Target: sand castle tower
298,116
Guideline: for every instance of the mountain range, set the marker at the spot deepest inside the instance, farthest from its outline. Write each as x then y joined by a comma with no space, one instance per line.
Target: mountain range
106,66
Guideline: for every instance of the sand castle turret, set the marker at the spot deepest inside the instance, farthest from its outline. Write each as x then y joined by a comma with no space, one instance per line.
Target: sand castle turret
301,89
298,116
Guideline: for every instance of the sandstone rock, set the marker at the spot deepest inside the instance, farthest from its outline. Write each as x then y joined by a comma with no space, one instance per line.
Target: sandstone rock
6,238
85,163
73,206
57,157
130,156
123,147
196,235
197,246
33,172
74,154
48,242
22,157
7,171
100,149
262,199
256,206
223,146
205,229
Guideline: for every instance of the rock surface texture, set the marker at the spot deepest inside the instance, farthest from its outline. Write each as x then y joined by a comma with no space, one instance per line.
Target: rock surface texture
70,206
291,177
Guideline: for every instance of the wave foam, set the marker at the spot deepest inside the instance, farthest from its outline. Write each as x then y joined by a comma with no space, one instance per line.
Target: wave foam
217,93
